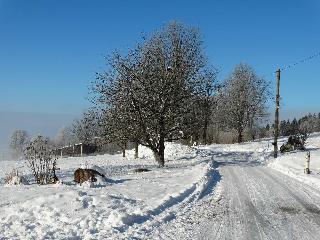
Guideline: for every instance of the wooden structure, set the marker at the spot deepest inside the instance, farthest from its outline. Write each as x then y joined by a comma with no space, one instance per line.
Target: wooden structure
78,149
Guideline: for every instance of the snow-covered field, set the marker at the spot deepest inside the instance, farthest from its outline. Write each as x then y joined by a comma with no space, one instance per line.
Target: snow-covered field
126,203
164,203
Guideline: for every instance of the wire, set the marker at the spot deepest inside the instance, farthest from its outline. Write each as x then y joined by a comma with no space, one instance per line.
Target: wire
300,61
294,64
290,65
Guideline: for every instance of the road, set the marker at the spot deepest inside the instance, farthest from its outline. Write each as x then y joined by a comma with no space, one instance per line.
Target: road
255,202
260,203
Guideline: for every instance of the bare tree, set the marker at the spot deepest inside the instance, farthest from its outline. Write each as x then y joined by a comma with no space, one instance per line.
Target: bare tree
244,99
205,101
153,86
114,127
85,129
309,124
17,142
63,137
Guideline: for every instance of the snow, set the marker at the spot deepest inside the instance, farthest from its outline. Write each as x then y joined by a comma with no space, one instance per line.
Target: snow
115,207
219,191
251,200
17,180
293,163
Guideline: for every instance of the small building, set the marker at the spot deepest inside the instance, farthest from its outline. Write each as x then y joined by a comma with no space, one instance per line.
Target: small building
78,149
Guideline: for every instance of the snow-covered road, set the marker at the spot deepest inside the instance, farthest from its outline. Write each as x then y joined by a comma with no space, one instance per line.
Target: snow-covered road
252,202
260,203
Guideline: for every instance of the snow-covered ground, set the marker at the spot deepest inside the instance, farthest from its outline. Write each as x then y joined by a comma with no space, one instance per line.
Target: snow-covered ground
113,209
207,192
252,200
293,163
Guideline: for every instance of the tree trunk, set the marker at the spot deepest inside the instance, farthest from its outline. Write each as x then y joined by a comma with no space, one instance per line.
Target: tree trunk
159,158
124,150
191,140
204,135
159,153
252,132
253,136
136,150
217,137
196,138
240,138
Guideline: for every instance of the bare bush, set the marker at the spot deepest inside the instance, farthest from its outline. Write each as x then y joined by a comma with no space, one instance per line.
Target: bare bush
40,160
13,178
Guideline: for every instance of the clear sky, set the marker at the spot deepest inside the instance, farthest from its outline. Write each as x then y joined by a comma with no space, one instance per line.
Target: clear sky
51,49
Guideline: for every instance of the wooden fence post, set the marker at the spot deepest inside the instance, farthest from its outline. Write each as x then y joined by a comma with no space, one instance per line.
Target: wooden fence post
307,167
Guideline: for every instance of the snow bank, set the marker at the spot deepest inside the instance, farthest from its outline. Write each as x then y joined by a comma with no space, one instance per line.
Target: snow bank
293,163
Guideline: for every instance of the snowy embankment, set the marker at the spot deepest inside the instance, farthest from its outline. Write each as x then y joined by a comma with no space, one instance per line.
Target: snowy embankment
126,204
293,163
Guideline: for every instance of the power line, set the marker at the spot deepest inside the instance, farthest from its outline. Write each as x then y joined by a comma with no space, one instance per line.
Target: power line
287,66
294,64
300,61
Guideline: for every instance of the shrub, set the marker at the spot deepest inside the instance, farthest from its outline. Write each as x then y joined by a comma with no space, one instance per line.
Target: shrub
13,178
295,142
40,160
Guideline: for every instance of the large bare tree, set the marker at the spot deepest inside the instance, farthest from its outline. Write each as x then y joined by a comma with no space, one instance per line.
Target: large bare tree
153,87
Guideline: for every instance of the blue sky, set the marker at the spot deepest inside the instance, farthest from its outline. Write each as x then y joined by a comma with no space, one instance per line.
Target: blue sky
50,50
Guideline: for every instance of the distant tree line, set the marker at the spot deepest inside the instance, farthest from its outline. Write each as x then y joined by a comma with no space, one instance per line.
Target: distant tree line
305,125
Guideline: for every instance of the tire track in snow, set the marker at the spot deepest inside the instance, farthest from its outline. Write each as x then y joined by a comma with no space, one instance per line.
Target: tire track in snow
256,226
272,202
254,203
312,211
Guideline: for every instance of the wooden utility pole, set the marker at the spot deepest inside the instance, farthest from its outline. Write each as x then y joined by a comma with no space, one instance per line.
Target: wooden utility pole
276,119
